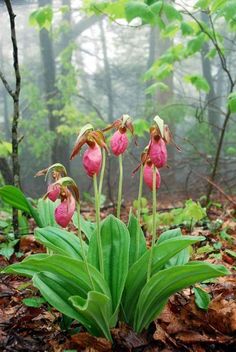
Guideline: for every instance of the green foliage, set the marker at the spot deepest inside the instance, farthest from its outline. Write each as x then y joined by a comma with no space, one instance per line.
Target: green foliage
141,127
199,82
202,298
13,196
35,302
78,290
189,216
41,18
232,102
5,149
7,248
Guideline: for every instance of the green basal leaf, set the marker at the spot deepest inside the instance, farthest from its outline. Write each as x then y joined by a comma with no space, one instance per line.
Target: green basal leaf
60,241
137,275
180,258
87,227
165,283
97,309
13,196
57,290
46,209
137,240
72,269
115,247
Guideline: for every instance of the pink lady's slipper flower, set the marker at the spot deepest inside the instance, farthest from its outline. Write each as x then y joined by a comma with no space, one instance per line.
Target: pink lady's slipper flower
158,152
53,174
119,141
65,210
92,158
148,176
53,192
63,188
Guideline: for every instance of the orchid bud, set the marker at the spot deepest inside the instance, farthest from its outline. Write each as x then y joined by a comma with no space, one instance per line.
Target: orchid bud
53,192
92,160
119,143
148,176
158,152
65,211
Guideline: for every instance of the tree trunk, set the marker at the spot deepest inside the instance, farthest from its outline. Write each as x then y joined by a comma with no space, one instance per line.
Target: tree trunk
213,115
60,148
109,93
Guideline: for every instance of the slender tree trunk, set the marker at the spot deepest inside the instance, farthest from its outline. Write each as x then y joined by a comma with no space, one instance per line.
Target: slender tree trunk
108,79
15,94
213,115
109,93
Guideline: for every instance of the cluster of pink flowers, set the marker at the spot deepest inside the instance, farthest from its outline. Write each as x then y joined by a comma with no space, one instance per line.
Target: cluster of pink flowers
154,158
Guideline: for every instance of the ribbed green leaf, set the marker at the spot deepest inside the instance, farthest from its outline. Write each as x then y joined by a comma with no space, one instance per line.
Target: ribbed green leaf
137,275
72,269
137,240
46,209
57,290
163,284
115,247
13,196
87,227
60,241
180,258
97,309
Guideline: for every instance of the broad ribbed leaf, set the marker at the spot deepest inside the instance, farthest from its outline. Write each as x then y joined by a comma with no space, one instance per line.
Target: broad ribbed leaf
165,283
72,269
87,227
60,241
57,290
46,209
115,247
137,275
180,258
97,309
137,240
13,196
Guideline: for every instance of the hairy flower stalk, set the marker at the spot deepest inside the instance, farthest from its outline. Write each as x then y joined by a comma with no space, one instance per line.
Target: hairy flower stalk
82,244
99,241
154,229
140,192
102,172
120,186
92,162
119,143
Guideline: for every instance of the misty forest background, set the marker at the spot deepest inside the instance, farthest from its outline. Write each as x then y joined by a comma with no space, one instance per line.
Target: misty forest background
81,63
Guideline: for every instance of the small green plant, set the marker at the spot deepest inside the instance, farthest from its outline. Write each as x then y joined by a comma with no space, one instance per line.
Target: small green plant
111,275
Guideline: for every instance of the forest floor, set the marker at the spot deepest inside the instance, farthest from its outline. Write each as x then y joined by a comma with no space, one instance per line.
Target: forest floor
181,327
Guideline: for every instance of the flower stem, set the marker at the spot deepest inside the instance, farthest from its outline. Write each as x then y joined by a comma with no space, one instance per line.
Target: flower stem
120,186
140,191
102,172
154,225
99,242
82,245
